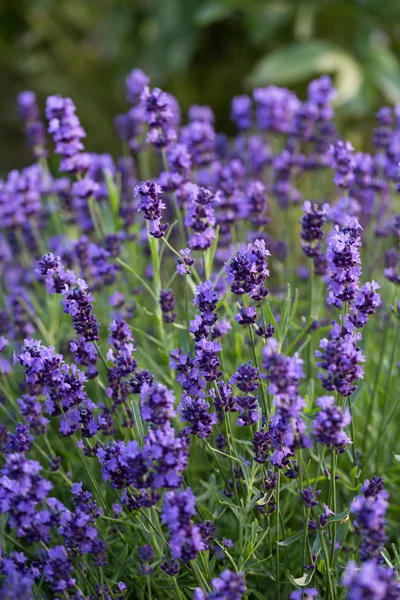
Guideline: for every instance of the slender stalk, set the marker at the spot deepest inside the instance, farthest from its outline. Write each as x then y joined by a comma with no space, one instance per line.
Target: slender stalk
266,407
278,593
154,249
371,407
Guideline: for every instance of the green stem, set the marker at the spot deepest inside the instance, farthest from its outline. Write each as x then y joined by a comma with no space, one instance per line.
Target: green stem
278,593
154,249
266,407
371,407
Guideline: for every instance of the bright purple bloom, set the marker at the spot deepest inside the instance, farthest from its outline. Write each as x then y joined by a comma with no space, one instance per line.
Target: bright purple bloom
157,403
33,126
20,441
195,411
247,271
200,217
246,316
365,303
310,497
329,424
312,223
207,359
18,577
241,112
186,540
371,581
78,304
342,154
276,108
340,358
257,203
261,445
67,133
152,206
135,84
369,511
22,490
248,410
167,303
57,569
246,378
343,258
228,585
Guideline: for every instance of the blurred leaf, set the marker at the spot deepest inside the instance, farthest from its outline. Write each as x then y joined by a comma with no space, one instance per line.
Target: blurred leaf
298,62
289,64
212,13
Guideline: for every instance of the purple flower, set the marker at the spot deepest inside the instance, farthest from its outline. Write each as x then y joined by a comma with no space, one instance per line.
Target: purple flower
248,410
157,403
167,303
340,358
365,304
312,223
57,569
284,374
188,374
299,594
207,531
20,441
310,497
195,411
223,399
78,304
369,511
207,359
200,139
85,354
22,489
241,112
200,217
19,577
261,445
246,316
370,581
152,206
183,265
146,555
344,259
67,132
135,84
33,126
186,540
342,154
329,424
257,203
229,585
275,108
246,378
247,271
122,356
160,111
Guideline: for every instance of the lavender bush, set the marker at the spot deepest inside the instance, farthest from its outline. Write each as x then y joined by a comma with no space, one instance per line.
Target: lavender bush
198,355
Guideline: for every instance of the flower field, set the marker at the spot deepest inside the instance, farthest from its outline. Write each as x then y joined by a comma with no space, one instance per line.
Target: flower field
198,354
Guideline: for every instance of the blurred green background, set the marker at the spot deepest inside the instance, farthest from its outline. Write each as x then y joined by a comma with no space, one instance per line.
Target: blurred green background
203,51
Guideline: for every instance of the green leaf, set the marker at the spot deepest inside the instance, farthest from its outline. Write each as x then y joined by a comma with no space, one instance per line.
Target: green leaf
300,581
291,540
300,336
301,61
340,517
321,567
290,64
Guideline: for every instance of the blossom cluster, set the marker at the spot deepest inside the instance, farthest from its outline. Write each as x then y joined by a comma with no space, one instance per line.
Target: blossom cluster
203,397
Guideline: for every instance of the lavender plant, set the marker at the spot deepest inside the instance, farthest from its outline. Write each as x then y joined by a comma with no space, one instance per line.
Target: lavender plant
204,334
